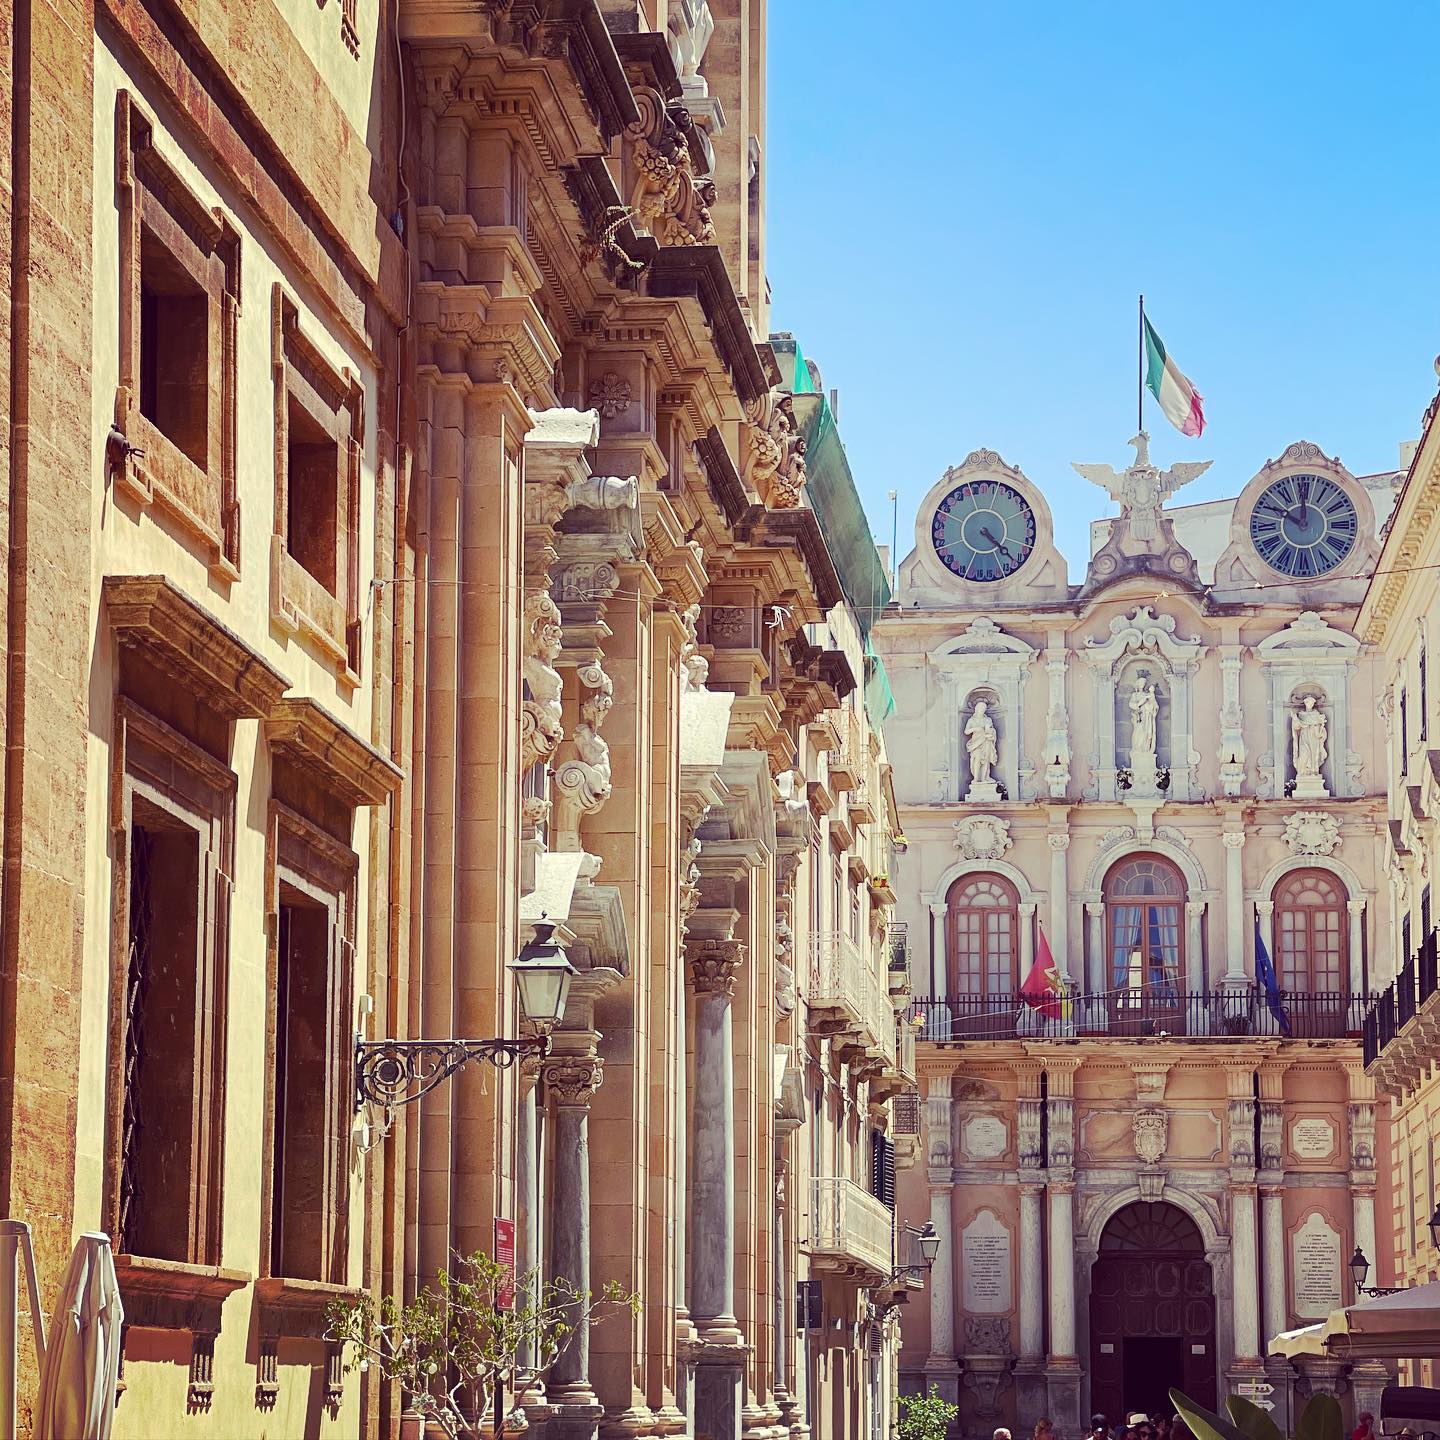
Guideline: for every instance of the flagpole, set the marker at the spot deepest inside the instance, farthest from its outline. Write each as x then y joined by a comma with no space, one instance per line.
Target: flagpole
1140,373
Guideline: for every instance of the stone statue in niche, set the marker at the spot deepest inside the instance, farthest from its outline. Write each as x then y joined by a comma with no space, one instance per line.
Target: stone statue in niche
983,749
1144,713
1308,732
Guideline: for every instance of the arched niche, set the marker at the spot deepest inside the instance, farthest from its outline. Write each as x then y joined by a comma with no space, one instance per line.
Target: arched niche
1153,638
1309,656
983,661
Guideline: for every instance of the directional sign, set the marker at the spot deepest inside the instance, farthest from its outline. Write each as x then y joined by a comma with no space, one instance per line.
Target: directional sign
1254,1388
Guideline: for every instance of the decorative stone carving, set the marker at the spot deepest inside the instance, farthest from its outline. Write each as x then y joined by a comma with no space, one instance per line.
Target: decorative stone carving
1152,1134
988,1335
694,667
689,884
982,750
775,450
1232,722
588,580
1027,1133
610,394
715,965
1057,727
982,837
582,783
1311,832
668,199
1272,1135
1242,1143
1308,732
541,729
573,1079
605,492
1362,1135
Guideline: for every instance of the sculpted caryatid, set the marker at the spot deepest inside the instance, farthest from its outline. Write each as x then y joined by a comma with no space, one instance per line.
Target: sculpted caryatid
1307,738
980,744
1144,710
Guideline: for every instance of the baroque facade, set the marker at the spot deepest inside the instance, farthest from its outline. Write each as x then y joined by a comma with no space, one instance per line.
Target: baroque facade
1401,610
1147,775
413,536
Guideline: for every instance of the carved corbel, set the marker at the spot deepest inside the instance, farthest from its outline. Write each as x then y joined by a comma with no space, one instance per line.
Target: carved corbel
667,197
582,782
774,465
541,728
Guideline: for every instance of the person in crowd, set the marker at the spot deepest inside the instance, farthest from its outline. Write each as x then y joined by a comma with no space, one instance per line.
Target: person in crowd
1044,1429
1099,1428
1162,1426
1364,1427
1179,1430
1001,1434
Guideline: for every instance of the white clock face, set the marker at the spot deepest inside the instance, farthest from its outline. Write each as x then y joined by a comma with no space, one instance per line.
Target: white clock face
1304,526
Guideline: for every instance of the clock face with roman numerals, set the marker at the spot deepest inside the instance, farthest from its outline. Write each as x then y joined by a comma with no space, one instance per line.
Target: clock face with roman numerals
1304,526
983,530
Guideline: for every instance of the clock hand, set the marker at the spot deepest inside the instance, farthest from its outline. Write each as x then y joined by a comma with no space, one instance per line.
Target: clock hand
1003,549
1304,502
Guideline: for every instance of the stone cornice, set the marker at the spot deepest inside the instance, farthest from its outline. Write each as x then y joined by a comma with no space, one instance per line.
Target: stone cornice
150,614
334,755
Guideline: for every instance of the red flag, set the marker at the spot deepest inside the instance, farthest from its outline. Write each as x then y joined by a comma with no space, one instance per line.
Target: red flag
1043,989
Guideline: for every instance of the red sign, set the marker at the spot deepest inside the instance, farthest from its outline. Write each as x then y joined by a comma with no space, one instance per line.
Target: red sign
505,1258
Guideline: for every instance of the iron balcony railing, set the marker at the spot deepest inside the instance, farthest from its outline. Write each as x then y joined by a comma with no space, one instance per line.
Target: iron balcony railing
841,982
848,1224
1208,1014
1405,994
1398,1004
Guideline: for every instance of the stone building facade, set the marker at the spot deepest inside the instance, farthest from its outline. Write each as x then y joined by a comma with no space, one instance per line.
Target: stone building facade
409,539
1146,1179
1398,620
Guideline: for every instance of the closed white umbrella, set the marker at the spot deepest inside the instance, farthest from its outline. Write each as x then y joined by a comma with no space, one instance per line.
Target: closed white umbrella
82,1356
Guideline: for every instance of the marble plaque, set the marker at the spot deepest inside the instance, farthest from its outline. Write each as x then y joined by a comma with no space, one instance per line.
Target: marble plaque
983,1137
1315,1268
985,1247
1312,1138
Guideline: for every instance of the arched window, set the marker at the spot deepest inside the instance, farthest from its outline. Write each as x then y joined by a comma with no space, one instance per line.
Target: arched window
1143,900
982,942
1310,926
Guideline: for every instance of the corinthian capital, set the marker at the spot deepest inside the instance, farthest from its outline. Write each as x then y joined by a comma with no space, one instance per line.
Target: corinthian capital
714,965
573,1079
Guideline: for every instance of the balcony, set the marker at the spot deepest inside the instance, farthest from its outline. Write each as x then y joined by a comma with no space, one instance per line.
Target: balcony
850,1230
1144,1014
849,1002
1402,1027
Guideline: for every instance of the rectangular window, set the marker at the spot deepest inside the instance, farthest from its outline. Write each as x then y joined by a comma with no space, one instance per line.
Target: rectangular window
174,876
1424,698
310,1077
179,308
315,547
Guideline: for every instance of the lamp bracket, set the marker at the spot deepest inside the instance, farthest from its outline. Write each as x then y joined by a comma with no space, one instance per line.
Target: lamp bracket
390,1073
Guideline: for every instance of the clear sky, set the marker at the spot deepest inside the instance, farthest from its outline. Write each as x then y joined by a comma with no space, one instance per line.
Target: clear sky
965,201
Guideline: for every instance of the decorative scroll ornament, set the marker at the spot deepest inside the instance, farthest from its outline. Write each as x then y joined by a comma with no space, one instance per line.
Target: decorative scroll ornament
1311,832
541,711
391,1073
668,200
582,783
715,965
573,1079
982,837
1152,1134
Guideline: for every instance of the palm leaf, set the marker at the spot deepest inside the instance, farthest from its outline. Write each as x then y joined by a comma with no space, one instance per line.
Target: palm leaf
1203,1424
1320,1420
1252,1420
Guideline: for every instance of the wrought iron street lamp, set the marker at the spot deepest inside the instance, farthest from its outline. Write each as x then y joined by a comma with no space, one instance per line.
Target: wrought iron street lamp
1360,1269
391,1073
928,1240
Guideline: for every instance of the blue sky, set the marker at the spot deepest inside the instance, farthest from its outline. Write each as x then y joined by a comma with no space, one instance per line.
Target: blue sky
965,201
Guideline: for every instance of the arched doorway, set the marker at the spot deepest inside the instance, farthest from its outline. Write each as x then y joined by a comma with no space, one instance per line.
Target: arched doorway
1152,1312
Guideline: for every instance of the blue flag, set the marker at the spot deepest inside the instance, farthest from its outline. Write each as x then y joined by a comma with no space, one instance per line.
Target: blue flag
1265,976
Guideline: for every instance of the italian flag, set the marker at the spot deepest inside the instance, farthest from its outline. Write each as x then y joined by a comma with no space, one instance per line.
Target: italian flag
1183,404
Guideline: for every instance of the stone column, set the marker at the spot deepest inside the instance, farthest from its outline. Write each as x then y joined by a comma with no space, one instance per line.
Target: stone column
528,1208
941,1367
572,1081
720,1351
1026,916
1030,1391
1059,843
1063,1365
1234,841
1357,950
1098,981
1244,1277
1265,919
1195,977
938,912
1272,1225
